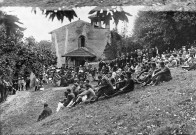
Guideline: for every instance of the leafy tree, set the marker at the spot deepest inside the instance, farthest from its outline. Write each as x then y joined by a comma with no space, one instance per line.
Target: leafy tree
116,42
166,29
108,13
59,14
10,23
36,55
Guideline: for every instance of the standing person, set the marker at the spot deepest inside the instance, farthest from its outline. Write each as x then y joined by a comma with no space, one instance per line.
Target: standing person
28,83
45,113
100,66
150,53
192,51
135,56
15,84
36,84
19,83
139,53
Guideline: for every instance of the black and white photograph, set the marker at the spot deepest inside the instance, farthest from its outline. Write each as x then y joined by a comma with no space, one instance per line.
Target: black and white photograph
98,67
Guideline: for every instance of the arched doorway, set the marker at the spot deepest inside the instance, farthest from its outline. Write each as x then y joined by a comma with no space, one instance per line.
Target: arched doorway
81,41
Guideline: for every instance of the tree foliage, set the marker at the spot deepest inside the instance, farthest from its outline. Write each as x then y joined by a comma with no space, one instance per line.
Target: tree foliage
108,13
19,57
10,23
116,42
60,14
166,30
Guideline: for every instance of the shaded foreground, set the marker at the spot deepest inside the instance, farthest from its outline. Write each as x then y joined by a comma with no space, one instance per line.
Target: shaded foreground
145,111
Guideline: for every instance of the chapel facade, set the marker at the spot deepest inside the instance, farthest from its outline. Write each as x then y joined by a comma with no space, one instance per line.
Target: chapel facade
81,41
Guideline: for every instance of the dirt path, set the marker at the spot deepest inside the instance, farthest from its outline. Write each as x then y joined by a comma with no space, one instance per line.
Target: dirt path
15,104
22,109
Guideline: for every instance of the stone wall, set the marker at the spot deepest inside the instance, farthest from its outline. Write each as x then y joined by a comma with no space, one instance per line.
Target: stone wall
67,39
97,40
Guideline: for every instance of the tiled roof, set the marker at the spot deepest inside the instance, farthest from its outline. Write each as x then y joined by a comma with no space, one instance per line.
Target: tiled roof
72,23
80,52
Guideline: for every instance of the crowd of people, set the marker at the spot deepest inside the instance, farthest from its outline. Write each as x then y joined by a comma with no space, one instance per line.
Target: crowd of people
89,83
120,75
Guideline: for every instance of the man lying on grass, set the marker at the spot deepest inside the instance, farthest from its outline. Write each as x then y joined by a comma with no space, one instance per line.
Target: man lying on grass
105,90
45,113
86,96
128,87
69,96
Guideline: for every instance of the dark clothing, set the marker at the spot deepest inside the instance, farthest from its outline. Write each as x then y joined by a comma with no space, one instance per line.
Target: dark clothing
129,86
105,90
64,82
165,75
120,84
101,64
99,82
154,53
70,97
46,112
192,67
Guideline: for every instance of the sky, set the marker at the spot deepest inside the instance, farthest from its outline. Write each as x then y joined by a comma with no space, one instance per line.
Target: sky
38,26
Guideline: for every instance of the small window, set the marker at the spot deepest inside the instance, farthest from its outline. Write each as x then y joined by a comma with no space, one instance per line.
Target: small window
81,41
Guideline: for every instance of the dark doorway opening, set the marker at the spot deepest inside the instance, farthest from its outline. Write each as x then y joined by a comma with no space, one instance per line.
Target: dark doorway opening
81,41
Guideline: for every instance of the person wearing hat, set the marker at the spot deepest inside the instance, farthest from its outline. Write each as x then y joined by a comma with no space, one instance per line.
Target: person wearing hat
45,113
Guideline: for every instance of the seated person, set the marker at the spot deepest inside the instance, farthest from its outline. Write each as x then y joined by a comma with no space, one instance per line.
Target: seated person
75,89
128,87
162,74
106,89
150,74
144,71
99,81
120,84
63,82
70,77
86,96
191,63
69,97
111,79
45,113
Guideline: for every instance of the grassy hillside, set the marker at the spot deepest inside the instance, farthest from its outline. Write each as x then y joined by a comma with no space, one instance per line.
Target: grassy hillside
148,110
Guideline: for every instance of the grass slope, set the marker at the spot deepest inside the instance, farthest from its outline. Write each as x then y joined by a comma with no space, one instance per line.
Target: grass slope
145,111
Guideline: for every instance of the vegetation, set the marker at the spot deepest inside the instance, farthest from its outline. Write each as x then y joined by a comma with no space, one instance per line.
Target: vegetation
167,109
166,30
108,14
19,56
